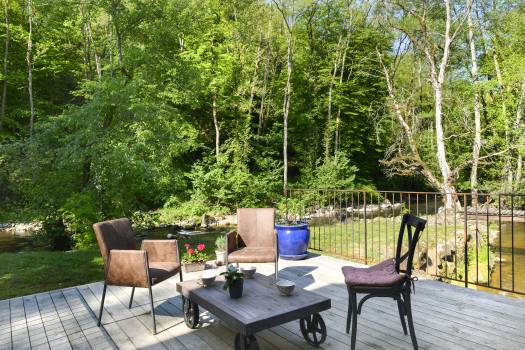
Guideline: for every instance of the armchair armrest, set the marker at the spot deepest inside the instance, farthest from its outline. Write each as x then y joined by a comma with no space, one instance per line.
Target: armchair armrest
231,241
127,268
161,250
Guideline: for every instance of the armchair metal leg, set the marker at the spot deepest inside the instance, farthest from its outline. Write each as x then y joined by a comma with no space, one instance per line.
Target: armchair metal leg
402,312
276,271
353,300
408,308
180,274
131,299
348,317
152,310
102,303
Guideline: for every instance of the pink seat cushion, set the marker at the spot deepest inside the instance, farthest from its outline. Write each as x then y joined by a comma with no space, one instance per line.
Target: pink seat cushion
383,274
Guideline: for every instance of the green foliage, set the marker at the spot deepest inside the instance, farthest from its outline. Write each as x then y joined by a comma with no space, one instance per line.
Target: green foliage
220,243
231,276
335,173
53,234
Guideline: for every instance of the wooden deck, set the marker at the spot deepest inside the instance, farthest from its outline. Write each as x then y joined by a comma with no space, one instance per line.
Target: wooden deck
446,317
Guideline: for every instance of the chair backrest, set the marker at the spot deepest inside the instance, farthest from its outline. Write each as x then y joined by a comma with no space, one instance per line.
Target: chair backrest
114,234
256,226
407,223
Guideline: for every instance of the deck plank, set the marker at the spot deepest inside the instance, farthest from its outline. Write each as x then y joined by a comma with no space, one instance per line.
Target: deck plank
445,317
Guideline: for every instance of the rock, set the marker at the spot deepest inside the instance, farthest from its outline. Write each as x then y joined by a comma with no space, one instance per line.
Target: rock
20,228
204,221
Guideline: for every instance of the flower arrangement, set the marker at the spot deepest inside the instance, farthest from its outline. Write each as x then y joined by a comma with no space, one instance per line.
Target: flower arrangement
194,255
231,276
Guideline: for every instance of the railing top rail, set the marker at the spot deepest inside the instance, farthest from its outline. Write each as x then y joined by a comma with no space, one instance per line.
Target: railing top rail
411,192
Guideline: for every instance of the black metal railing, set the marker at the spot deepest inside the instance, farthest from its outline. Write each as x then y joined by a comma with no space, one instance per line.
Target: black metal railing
477,240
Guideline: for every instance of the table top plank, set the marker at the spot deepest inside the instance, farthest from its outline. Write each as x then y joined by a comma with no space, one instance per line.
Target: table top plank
260,307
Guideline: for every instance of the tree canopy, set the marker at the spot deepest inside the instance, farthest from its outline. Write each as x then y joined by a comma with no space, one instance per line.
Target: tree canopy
140,104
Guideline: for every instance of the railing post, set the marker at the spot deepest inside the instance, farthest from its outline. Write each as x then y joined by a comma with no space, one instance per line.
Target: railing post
465,237
366,231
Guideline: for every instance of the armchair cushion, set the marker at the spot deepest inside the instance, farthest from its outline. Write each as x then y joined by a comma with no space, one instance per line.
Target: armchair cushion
161,271
383,274
252,255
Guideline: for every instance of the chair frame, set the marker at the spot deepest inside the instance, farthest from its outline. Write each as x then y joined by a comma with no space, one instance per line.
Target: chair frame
399,292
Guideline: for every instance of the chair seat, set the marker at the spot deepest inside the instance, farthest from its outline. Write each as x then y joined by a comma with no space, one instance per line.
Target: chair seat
383,274
160,271
252,255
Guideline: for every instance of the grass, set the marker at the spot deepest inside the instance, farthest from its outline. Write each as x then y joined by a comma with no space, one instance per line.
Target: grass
379,239
39,271
32,272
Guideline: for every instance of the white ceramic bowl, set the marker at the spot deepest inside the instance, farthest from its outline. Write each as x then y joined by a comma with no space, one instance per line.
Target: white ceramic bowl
248,272
285,287
207,278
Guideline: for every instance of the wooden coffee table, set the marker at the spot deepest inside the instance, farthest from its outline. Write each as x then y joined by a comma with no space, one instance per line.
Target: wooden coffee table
261,307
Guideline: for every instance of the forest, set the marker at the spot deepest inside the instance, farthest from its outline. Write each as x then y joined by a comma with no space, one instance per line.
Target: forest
115,108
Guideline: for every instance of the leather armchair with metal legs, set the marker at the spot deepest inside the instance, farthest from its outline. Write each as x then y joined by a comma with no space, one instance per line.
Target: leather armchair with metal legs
156,261
255,240
386,279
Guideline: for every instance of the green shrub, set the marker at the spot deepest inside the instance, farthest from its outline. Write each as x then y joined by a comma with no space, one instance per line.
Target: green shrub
53,234
79,214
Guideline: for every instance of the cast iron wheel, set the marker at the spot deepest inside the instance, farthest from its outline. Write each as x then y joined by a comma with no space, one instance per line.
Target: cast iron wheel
313,329
191,313
250,342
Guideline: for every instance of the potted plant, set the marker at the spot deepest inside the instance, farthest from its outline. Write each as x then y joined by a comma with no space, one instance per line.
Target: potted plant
194,259
233,281
220,249
293,238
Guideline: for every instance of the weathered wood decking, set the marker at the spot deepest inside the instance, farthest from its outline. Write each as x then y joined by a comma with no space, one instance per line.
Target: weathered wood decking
446,317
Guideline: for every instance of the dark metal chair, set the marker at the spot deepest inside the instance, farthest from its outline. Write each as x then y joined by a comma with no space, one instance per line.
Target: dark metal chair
386,279
156,261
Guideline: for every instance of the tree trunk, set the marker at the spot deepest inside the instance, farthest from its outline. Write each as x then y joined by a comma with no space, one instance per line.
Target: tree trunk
517,126
110,34
328,130
264,89
254,77
265,76
216,124
97,58
286,109
337,138
477,113
29,60
438,78
6,54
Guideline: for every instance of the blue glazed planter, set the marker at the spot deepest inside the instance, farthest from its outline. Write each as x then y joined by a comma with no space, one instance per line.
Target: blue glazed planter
293,241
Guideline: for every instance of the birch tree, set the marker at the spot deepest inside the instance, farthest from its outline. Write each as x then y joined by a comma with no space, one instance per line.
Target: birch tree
6,55
437,51
29,60
476,145
289,22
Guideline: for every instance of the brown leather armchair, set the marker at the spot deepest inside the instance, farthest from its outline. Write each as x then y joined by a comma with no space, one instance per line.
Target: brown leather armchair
156,261
255,240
